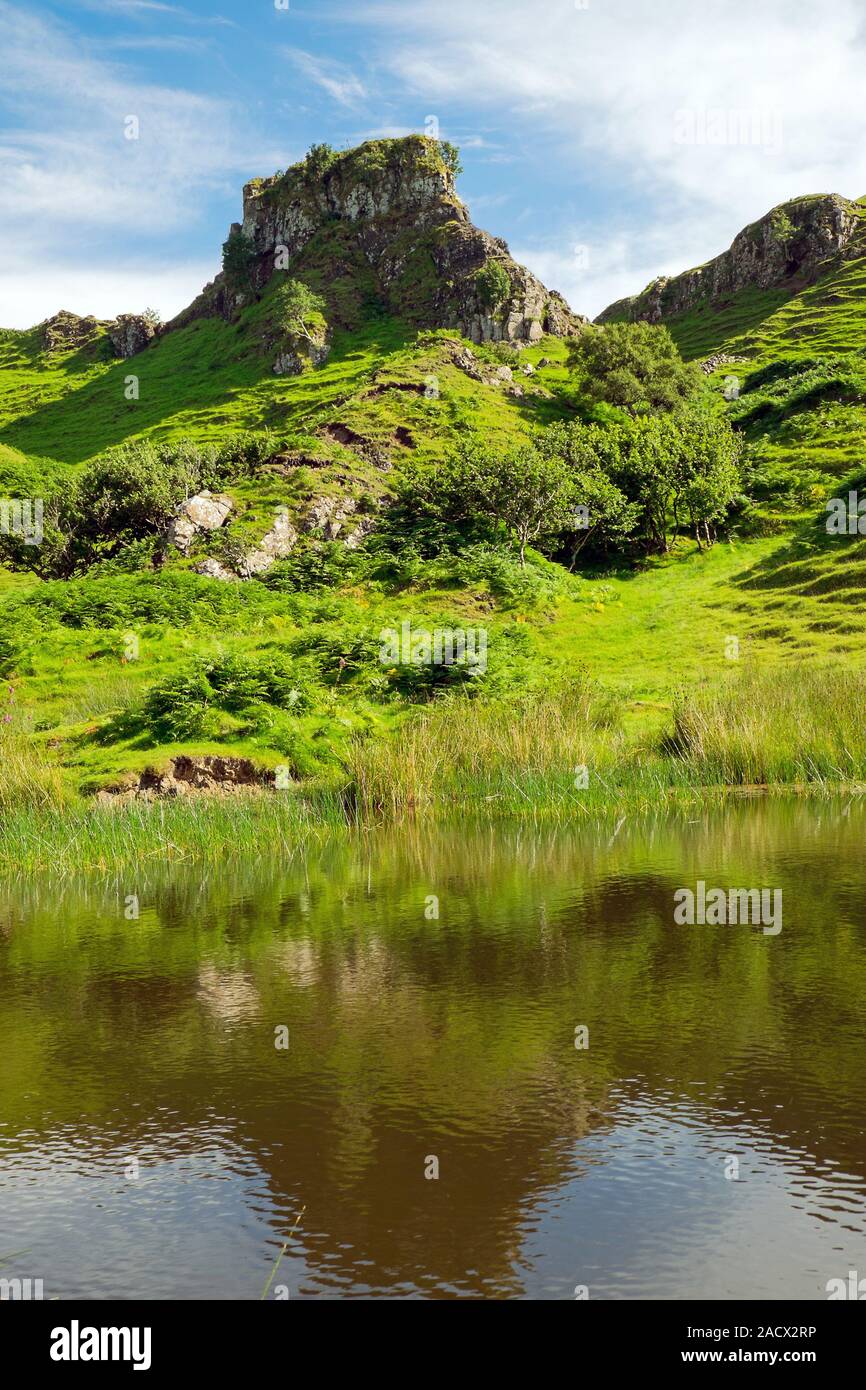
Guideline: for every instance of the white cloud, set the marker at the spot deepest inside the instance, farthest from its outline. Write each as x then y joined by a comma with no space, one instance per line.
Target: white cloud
596,92
335,78
29,295
72,185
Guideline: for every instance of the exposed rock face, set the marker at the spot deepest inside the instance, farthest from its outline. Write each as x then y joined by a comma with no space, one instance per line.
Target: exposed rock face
65,331
187,775
279,541
790,248
207,511
390,209
130,333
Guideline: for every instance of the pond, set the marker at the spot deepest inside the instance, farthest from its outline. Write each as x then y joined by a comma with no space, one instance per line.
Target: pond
445,1062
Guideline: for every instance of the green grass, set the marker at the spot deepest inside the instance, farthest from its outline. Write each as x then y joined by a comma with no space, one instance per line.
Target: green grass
626,671
571,753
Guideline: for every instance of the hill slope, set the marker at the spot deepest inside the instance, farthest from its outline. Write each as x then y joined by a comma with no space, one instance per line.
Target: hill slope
401,351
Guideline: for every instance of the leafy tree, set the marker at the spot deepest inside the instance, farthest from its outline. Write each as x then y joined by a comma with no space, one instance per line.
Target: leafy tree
451,157
319,159
239,255
125,495
711,463
522,489
674,464
603,513
494,284
635,366
295,306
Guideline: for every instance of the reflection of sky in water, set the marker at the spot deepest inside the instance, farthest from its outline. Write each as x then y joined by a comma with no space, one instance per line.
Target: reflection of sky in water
195,1225
650,1214
645,1212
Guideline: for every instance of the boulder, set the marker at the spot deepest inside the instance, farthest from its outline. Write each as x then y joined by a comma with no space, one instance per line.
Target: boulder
279,541
130,333
207,511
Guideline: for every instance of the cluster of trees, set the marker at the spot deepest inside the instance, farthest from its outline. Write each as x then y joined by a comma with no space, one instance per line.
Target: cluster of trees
662,460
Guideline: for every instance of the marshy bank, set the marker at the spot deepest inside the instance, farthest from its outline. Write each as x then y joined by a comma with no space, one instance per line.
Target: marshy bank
575,753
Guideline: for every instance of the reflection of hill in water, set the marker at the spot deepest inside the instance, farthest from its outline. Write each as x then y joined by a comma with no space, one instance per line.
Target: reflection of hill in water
454,1036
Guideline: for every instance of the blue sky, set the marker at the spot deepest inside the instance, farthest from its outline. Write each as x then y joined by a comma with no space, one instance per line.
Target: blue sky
607,140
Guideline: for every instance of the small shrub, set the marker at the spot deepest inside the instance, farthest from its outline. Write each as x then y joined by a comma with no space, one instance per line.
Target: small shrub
493,283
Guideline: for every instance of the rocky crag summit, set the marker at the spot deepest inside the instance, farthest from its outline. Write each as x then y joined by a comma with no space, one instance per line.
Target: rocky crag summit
383,224
792,247
379,228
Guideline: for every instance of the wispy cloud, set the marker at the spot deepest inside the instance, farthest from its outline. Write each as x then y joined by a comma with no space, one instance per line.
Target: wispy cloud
334,78
598,94
69,176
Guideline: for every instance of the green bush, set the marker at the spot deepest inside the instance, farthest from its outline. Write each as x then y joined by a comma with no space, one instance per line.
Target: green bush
271,678
246,685
177,707
311,567
635,366
239,258
9,653
493,283
319,159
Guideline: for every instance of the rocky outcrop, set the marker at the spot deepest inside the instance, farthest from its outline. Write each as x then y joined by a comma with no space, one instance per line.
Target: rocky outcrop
790,249
131,332
65,331
128,333
388,209
718,359
279,542
327,514
207,511
214,569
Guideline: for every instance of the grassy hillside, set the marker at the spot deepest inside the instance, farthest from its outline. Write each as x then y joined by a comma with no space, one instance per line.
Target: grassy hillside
614,667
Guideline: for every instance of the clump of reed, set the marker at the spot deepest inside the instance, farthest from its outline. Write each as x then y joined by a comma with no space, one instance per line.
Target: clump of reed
461,752
28,778
786,726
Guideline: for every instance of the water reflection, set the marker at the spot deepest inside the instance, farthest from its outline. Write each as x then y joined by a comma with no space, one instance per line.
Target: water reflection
153,1042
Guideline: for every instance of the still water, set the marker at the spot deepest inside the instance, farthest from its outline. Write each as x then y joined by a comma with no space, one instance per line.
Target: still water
157,1142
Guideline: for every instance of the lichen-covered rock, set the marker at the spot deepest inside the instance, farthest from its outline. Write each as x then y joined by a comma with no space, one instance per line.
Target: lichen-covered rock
293,360
207,511
327,514
288,364
389,210
213,569
789,248
279,542
65,331
130,333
